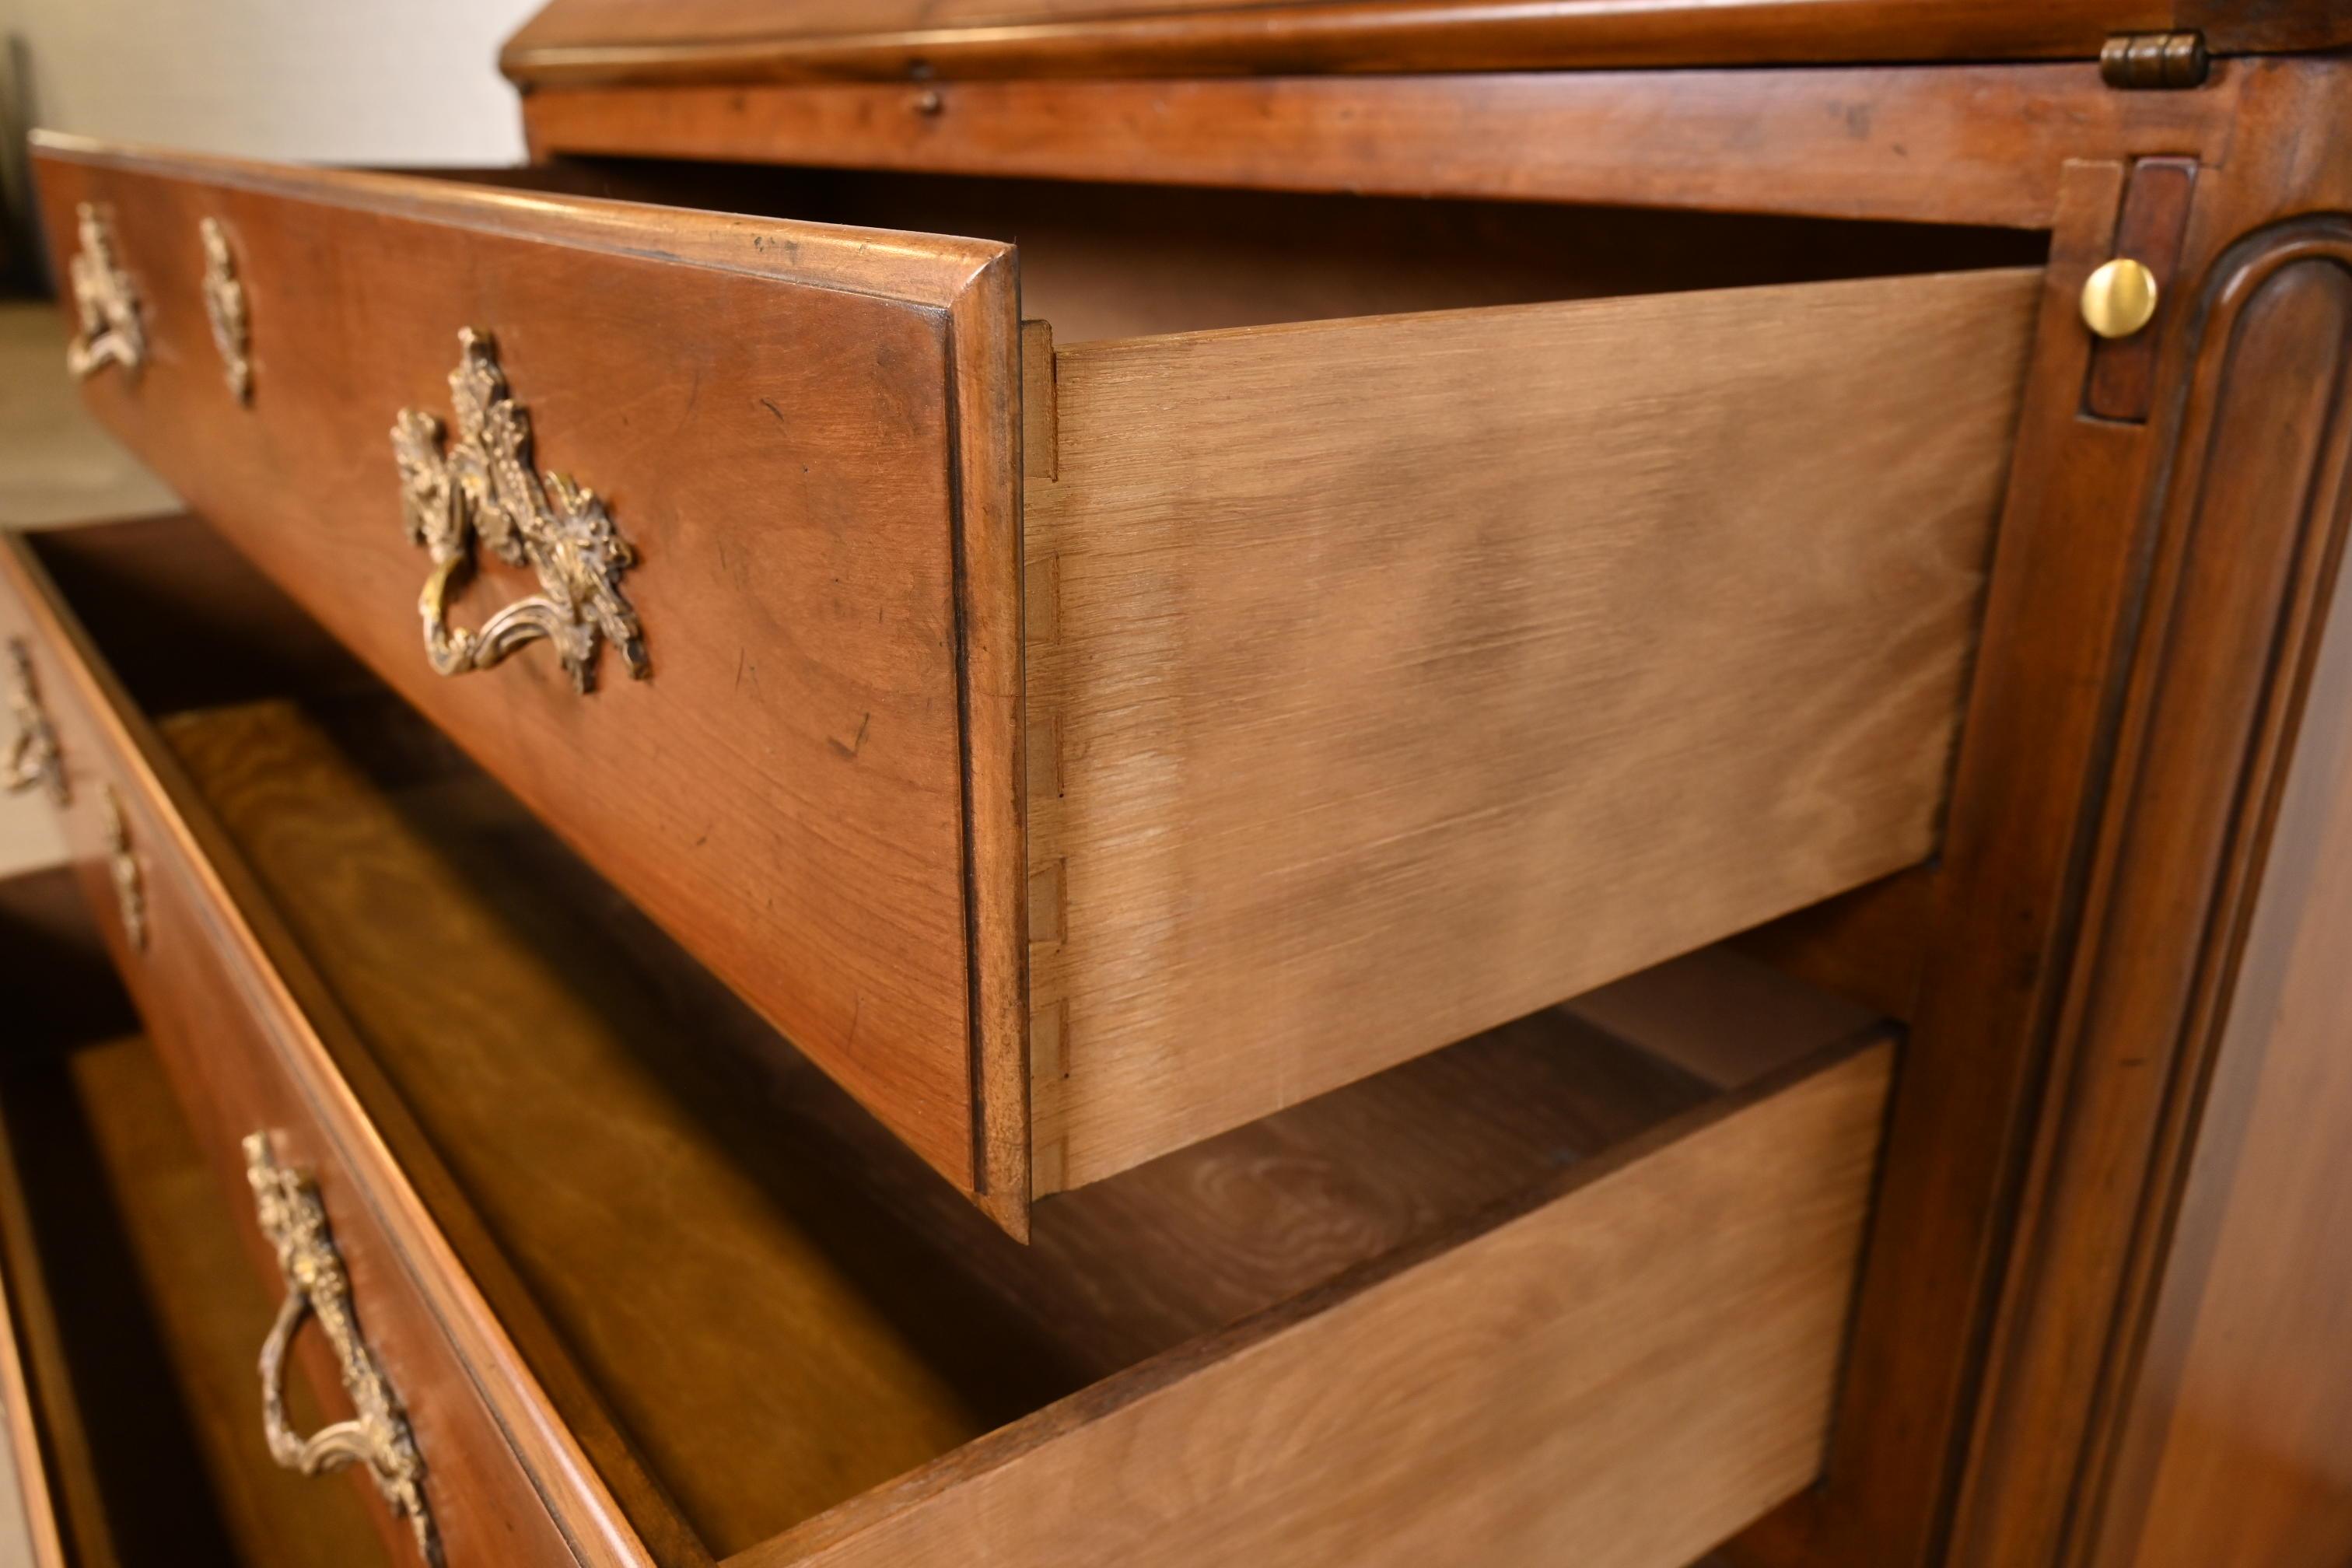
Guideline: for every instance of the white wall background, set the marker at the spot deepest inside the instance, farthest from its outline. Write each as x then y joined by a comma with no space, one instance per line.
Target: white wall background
339,81
370,81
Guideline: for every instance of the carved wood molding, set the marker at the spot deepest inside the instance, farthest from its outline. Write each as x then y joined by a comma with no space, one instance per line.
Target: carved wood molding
2251,505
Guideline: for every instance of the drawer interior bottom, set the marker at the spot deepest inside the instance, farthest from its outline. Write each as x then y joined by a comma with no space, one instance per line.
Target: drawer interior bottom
137,1320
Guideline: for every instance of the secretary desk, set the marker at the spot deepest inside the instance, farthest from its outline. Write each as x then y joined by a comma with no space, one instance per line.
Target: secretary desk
1340,781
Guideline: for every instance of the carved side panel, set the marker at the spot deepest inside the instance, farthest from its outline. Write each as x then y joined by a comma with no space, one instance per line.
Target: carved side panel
2254,509
2236,1440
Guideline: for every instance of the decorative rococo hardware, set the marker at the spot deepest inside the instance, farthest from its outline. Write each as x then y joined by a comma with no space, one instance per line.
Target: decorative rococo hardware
123,865
224,308
104,299
33,757
377,1436
485,485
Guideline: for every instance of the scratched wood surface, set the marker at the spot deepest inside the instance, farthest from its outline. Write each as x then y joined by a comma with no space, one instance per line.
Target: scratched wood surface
1391,679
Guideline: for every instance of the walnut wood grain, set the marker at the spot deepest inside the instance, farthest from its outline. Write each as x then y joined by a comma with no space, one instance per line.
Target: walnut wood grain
2240,1414
640,42
1958,145
2149,230
127,1272
799,428
1370,755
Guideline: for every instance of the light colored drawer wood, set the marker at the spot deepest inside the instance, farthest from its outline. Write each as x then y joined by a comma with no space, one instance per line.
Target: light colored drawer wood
132,1323
1366,683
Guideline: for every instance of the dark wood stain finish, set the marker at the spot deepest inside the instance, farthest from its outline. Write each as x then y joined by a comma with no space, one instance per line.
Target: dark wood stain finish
2253,510
1974,144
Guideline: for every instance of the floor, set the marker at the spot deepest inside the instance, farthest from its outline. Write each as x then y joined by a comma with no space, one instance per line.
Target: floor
56,467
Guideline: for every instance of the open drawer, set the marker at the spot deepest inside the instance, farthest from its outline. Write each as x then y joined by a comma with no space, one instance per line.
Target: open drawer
989,713
1584,1279
130,1324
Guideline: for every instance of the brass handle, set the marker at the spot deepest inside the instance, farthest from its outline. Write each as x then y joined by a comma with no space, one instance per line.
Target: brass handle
122,867
224,309
377,1436
105,300
484,484
33,757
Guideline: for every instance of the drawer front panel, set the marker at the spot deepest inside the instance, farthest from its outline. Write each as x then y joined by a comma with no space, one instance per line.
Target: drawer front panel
1391,679
771,459
242,1060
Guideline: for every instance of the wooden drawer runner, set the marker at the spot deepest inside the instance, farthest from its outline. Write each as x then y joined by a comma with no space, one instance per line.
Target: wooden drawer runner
1007,708
1554,1285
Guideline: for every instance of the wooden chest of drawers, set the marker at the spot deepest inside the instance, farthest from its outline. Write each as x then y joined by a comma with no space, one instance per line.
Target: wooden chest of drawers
1318,783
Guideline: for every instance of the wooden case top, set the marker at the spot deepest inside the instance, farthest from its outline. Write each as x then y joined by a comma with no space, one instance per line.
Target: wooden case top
609,42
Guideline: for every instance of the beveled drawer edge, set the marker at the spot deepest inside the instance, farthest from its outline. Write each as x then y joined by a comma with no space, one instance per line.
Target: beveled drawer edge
549,1454
992,693
832,256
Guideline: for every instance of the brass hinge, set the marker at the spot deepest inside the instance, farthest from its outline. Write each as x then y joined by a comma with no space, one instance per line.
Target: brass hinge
2153,62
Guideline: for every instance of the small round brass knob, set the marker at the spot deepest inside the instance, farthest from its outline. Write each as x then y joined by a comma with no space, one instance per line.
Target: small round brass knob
2119,299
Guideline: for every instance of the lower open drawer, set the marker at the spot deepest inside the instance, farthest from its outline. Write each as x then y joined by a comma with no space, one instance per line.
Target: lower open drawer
1565,1288
127,1345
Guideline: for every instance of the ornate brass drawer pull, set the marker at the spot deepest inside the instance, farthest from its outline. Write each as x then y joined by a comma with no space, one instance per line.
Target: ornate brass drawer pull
104,299
33,756
224,308
316,1285
485,485
123,865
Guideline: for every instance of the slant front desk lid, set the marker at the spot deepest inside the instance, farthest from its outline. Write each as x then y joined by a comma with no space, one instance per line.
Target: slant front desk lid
578,43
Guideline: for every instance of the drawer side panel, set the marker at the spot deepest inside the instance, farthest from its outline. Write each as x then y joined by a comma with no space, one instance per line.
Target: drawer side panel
1404,676
776,416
